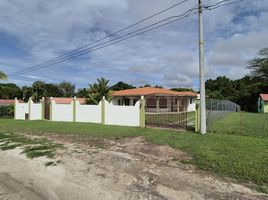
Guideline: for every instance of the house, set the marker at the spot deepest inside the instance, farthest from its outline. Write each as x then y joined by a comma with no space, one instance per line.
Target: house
156,99
263,103
8,102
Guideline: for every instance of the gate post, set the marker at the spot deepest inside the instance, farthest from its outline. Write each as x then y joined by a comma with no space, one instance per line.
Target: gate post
29,108
74,109
197,116
142,112
43,108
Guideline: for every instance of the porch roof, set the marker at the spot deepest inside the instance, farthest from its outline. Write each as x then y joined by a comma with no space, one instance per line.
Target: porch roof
151,91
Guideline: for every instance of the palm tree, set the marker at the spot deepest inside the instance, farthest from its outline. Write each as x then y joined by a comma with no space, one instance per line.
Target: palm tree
3,76
98,90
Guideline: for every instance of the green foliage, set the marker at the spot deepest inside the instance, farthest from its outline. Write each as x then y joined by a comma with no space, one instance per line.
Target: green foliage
259,66
182,89
10,91
98,90
82,93
7,111
67,89
244,91
3,76
121,86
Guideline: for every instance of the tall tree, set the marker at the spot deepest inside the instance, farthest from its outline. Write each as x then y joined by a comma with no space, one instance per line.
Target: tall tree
259,66
98,90
67,89
3,76
121,86
38,90
11,91
27,92
82,93
52,90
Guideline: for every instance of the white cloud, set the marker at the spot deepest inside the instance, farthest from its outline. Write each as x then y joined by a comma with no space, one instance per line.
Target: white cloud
168,56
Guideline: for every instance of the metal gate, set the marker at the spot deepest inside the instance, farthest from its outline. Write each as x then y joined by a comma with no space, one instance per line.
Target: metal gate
166,112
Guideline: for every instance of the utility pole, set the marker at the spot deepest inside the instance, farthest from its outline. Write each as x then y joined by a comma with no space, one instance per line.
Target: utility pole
203,126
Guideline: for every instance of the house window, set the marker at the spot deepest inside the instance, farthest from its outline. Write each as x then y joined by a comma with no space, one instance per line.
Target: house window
126,101
162,103
119,102
151,102
191,100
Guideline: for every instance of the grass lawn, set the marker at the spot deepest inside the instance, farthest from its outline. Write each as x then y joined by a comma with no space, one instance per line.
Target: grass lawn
253,124
237,156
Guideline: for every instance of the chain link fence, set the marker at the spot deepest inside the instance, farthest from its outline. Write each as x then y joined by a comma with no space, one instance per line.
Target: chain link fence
216,109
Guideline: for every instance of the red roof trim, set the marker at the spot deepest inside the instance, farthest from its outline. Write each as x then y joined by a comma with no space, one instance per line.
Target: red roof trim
264,97
62,100
9,101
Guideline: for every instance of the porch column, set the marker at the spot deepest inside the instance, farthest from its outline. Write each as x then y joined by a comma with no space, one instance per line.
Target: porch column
178,105
157,104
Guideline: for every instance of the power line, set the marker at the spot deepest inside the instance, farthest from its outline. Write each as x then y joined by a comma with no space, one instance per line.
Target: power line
108,36
108,43
117,39
220,4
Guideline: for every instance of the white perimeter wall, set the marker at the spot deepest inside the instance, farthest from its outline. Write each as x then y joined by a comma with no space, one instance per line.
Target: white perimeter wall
35,111
21,109
62,112
122,115
88,113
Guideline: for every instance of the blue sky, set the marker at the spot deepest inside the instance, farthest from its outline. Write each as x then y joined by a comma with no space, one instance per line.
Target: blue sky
34,31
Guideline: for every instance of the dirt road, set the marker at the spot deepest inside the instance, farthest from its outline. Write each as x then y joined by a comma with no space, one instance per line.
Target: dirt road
123,169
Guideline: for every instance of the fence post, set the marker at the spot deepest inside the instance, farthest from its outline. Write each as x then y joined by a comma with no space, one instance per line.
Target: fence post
197,116
74,109
142,112
103,110
43,108
29,108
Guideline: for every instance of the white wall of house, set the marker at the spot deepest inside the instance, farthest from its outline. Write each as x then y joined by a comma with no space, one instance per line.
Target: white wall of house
191,106
20,110
88,113
122,115
117,100
61,112
35,111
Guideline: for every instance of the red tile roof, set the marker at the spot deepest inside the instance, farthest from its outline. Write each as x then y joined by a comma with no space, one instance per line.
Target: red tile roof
151,91
8,101
61,100
264,97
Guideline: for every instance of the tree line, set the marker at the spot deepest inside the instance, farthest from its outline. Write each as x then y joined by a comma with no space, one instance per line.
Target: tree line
244,91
